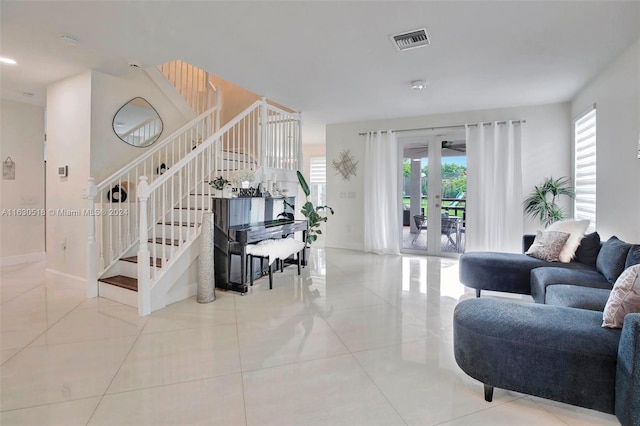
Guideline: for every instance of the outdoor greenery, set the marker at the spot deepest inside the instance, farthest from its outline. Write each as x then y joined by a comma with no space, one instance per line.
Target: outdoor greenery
454,179
538,204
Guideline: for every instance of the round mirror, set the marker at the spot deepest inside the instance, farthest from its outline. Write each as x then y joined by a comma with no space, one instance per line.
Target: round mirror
137,123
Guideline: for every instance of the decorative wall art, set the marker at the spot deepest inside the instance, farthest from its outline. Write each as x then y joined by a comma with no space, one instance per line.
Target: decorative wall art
8,169
346,164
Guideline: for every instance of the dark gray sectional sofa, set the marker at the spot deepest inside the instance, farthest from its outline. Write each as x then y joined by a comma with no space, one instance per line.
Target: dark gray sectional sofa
555,348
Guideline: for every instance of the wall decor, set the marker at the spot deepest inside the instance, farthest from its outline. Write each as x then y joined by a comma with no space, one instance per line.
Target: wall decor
118,194
137,123
346,164
8,169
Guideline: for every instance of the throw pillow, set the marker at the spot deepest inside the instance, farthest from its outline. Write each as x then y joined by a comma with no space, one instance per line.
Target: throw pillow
548,245
633,258
624,298
576,229
612,258
588,249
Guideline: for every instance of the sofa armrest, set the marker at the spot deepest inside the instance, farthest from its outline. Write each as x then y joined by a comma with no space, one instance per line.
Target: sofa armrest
527,240
628,372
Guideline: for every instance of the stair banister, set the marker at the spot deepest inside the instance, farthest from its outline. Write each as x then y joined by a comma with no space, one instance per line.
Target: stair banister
157,147
144,258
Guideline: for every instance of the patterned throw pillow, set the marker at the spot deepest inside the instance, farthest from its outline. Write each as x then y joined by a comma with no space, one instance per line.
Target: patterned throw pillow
576,230
548,245
624,298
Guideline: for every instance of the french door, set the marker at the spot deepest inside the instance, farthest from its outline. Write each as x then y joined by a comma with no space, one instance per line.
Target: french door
434,192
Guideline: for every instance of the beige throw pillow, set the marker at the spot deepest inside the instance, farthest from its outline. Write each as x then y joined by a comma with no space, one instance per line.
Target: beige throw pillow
548,245
624,298
576,229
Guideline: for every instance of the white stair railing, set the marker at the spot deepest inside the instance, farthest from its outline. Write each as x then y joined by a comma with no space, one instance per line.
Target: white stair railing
115,207
171,199
193,83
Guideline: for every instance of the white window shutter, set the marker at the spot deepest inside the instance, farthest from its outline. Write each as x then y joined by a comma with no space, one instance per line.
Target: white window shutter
585,168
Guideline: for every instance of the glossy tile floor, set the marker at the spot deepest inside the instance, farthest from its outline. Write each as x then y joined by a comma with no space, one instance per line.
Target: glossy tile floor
357,339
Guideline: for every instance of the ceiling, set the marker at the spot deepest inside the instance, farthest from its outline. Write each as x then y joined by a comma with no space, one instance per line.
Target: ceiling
331,60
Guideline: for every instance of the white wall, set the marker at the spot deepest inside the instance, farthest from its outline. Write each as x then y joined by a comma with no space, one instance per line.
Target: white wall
68,143
546,151
108,94
22,139
616,93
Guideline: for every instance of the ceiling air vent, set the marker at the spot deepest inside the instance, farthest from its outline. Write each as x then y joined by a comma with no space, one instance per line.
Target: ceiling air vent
411,39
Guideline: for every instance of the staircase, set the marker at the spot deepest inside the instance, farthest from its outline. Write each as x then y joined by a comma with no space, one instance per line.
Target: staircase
141,247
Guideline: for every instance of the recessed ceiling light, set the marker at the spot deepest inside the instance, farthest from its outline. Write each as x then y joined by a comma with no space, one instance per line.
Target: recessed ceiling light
418,84
7,60
69,39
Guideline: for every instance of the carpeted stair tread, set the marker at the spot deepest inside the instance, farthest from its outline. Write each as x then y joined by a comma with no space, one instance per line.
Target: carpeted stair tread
122,281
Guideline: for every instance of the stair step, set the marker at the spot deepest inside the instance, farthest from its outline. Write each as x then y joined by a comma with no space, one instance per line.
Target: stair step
177,223
166,241
122,281
134,259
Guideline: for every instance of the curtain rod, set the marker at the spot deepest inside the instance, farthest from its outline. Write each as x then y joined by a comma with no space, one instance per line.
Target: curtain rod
459,126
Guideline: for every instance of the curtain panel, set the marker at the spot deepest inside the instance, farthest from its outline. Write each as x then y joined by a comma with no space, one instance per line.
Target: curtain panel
381,212
494,199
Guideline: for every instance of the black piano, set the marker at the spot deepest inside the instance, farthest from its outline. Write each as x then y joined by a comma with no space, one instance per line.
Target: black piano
242,221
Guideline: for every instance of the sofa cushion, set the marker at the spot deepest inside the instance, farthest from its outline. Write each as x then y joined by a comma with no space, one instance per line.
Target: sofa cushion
541,278
612,258
576,230
633,258
548,245
548,351
577,296
624,298
587,251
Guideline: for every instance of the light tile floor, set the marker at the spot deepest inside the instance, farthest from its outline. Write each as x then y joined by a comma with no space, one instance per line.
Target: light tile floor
357,339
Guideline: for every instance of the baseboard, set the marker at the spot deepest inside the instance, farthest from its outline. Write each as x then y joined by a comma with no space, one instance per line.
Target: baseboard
22,258
67,279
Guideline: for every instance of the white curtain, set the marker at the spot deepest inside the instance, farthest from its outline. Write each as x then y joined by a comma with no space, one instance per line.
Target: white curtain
381,212
494,220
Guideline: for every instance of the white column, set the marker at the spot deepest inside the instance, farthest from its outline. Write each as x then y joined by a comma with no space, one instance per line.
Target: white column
92,250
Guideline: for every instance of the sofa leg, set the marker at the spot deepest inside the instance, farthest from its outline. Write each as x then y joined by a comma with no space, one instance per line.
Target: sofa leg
478,292
488,393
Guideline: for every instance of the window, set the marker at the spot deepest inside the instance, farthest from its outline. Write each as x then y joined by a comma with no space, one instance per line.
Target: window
318,180
585,167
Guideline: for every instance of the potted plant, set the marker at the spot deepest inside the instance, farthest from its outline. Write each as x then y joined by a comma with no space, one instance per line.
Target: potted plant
541,203
220,184
315,215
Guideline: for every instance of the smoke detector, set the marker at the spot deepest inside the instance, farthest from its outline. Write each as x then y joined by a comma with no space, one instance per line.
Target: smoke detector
418,84
410,40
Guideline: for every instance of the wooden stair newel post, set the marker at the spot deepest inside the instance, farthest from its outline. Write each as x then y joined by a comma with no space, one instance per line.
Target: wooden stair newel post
144,258
92,251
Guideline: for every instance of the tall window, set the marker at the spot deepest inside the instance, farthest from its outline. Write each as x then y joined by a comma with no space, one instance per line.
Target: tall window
318,180
585,167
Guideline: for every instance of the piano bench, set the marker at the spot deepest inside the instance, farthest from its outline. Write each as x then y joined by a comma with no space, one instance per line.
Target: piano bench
274,251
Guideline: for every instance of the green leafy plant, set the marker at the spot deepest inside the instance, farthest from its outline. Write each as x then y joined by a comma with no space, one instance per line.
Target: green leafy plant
541,203
219,183
311,212
315,214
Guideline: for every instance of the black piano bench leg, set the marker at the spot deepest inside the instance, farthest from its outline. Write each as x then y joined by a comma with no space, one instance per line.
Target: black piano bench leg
299,261
250,259
478,292
271,277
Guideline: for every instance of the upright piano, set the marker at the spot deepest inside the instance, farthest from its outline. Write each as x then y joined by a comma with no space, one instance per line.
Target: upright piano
242,221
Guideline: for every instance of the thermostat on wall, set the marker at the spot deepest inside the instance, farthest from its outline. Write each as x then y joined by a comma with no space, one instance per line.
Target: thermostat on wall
63,171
